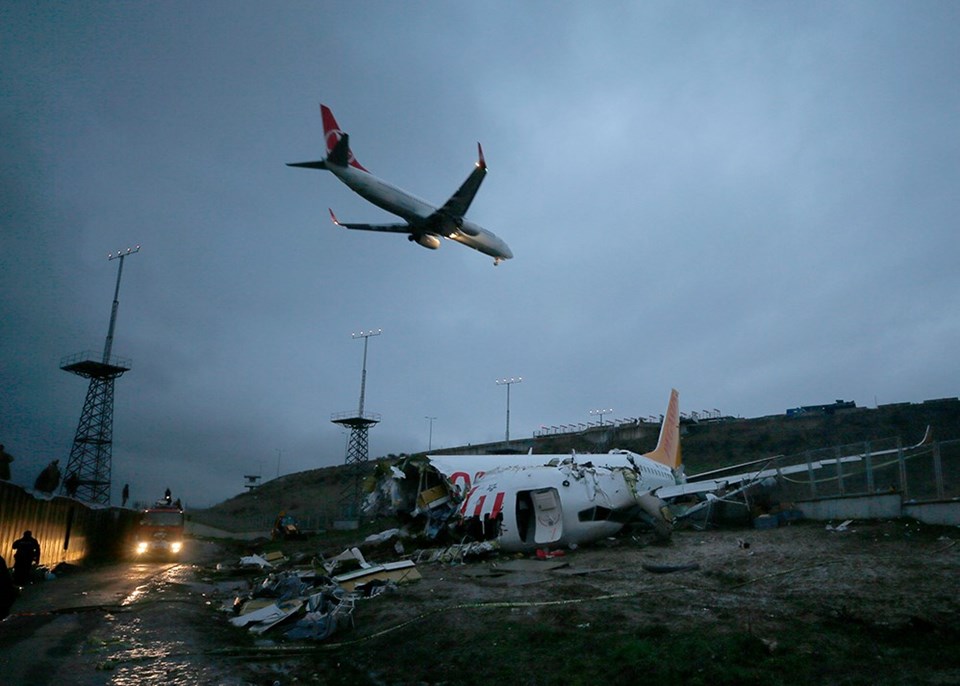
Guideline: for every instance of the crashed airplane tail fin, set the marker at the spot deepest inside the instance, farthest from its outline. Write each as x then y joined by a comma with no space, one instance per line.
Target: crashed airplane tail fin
667,451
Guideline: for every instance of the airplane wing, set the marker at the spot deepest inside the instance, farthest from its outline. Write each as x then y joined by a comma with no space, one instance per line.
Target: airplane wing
456,207
388,228
716,479
744,480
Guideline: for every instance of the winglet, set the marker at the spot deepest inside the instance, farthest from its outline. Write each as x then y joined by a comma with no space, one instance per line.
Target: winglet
333,217
332,133
481,163
667,451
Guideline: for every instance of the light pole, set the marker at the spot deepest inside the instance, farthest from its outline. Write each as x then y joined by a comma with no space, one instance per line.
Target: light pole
365,335
430,442
601,413
508,383
108,346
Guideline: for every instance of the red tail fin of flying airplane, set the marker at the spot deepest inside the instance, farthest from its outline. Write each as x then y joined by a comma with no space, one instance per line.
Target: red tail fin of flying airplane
332,133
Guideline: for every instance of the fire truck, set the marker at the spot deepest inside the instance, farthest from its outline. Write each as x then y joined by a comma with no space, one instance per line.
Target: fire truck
160,533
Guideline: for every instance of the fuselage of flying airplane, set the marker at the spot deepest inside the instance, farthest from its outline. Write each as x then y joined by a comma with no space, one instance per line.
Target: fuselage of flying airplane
425,223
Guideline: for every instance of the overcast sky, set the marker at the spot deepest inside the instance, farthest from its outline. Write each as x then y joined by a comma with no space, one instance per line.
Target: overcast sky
755,203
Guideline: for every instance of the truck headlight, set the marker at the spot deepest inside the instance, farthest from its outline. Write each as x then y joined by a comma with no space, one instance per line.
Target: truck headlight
176,546
141,548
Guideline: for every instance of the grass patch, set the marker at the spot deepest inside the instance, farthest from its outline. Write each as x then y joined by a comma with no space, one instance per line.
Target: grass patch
572,649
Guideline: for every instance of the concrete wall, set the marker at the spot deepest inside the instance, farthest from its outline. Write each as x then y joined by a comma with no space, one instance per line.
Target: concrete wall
884,506
68,530
203,531
945,512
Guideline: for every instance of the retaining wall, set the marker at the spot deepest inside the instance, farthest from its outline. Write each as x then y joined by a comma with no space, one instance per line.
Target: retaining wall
945,512
881,506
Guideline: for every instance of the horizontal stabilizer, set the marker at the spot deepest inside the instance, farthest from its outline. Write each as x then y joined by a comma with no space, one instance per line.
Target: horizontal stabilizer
319,164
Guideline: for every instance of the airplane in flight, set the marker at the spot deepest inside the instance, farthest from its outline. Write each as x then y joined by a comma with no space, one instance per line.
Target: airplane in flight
424,223
528,502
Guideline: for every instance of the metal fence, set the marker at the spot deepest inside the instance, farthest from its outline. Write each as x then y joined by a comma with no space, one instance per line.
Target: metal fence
67,529
924,473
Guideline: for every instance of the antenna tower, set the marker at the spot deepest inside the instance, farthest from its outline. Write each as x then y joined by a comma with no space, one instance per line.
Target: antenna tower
91,455
357,453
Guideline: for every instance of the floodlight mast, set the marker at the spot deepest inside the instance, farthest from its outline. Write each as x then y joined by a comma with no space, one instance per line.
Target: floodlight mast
90,463
430,439
365,335
601,413
508,383
120,254
357,448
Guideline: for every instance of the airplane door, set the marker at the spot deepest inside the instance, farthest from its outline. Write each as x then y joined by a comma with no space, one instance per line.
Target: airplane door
548,516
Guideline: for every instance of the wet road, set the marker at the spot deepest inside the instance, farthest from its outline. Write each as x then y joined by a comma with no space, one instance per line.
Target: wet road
124,624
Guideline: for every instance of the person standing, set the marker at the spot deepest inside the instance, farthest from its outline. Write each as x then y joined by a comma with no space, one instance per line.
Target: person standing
72,483
125,495
26,555
5,460
49,478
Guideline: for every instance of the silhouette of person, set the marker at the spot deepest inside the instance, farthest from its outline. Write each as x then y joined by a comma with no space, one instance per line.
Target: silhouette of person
8,592
26,555
5,460
72,483
49,478
166,496
126,495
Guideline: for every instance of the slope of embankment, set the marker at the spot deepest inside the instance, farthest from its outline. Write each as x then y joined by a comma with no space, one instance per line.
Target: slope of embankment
312,496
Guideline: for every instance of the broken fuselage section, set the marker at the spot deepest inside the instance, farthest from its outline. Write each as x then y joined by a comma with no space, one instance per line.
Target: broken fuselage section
554,501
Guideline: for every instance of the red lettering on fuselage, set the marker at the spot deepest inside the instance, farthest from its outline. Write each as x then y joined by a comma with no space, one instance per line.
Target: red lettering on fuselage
497,505
466,499
461,476
465,478
479,508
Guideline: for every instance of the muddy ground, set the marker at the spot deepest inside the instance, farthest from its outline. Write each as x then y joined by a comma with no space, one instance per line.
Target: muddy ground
875,604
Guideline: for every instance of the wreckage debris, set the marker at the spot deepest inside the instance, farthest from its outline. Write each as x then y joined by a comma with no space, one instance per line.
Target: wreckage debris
313,600
398,572
459,553
844,526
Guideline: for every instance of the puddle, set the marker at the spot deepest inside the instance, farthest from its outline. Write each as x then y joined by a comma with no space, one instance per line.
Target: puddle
162,638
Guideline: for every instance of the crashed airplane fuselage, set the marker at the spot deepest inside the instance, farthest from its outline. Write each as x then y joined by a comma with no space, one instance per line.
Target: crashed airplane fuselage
562,504
526,502
530,501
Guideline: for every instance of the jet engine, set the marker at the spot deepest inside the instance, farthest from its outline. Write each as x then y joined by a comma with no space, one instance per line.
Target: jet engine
427,240
468,228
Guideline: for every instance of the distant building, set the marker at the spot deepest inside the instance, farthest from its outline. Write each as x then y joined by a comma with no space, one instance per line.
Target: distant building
822,409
